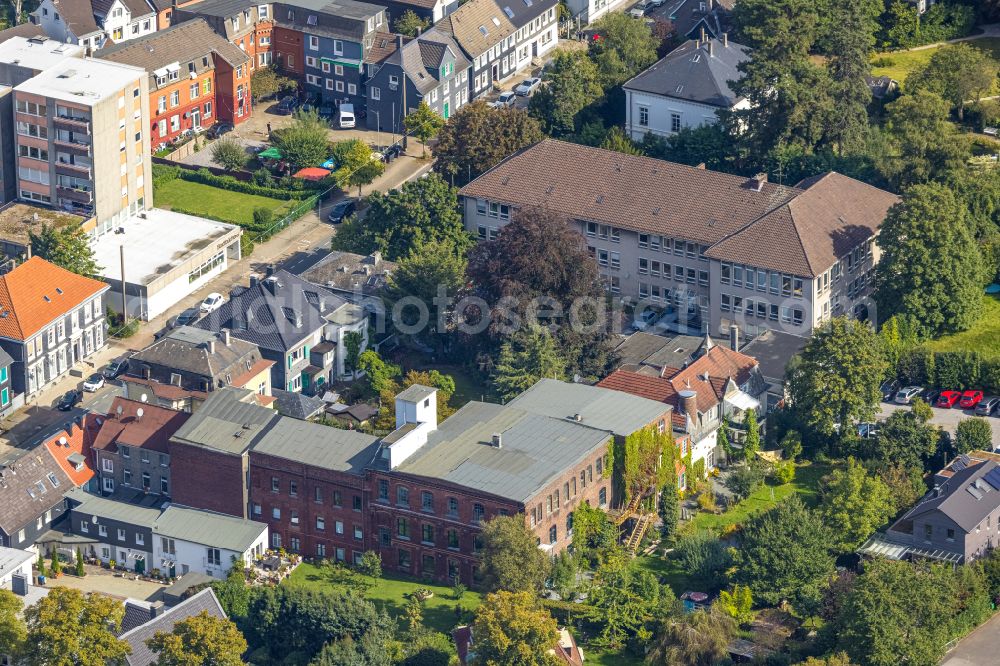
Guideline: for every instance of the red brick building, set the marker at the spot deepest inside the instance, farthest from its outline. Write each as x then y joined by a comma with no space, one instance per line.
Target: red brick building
196,78
249,27
289,51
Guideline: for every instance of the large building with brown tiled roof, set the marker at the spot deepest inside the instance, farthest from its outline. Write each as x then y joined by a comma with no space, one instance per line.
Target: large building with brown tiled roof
50,320
711,249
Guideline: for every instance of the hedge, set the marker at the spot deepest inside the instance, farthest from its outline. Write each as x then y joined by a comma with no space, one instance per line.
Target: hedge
949,370
164,174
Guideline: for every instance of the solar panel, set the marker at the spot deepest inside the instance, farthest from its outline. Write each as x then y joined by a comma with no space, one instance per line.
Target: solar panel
993,478
975,493
958,465
983,486
965,458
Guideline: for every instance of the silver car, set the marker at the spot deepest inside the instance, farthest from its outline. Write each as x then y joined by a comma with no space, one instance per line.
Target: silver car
907,395
988,405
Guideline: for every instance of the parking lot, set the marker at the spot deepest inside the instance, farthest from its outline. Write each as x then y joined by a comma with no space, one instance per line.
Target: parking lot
948,419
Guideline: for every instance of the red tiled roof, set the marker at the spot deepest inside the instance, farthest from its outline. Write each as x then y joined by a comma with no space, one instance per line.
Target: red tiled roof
151,431
77,440
257,368
37,293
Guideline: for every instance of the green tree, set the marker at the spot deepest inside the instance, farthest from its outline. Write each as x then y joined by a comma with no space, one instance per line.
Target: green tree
353,340
80,571
903,613
853,505
839,659
837,379
670,509
12,630
230,154
751,442
784,554
704,557
358,166
905,438
371,564
700,638
511,560
199,640
233,592
617,140
625,598
380,374
306,142
625,48
68,628
476,138
67,248
268,82
958,73
424,124
410,24
737,604
527,356
434,274
925,144
930,273
55,566
513,629
973,434
711,145
573,84
791,445
424,211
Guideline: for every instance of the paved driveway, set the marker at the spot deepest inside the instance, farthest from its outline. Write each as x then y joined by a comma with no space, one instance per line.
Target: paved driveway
978,648
948,419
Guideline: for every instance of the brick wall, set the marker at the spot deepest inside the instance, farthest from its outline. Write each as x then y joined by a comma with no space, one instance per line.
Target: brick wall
206,479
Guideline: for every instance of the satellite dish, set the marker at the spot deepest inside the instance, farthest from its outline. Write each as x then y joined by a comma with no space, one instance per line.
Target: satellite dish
62,440
94,519
119,410
139,413
143,397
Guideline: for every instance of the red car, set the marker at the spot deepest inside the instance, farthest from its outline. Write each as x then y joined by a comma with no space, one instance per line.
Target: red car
948,399
970,399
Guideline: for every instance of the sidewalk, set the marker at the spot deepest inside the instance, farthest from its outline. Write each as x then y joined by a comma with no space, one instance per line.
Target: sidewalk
304,235
990,30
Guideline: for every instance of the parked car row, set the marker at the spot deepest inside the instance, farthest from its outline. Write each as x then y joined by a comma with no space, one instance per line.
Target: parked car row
973,399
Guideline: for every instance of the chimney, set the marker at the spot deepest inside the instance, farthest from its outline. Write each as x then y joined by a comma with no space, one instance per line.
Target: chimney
578,417
711,49
211,346
702,33
270,270
689,404
757,182
226,337
399,41
711,5
734,337
725,40
155,610
497,440
254,280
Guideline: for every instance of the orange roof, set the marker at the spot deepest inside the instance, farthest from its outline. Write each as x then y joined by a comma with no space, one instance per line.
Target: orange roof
77,441
257,368
37,293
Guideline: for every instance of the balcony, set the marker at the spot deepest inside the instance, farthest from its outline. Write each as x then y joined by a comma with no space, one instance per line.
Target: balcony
72,124
75,195
74,145
75,170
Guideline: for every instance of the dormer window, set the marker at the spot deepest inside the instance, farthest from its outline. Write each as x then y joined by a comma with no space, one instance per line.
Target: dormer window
311,20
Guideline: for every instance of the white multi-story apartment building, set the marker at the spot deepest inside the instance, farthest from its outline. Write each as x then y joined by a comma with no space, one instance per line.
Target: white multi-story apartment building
486,35
712,249
50,320
685,89
92,23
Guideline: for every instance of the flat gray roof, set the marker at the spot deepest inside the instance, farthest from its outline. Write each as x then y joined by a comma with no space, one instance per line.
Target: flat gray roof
133,514
225,423
534,450
82,80
12,558
208,528
601,408
415,393
318,445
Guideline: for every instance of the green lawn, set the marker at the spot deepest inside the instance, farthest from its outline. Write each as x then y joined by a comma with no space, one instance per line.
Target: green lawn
391,593
807,478
468,385
213,202
983,337
899,64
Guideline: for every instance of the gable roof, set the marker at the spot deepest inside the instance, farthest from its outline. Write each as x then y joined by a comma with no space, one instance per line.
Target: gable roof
26,30
78,16
137,8
691,72
151,431
296,405
954,500
199,352
208,528
29,486
71,448
202,602
801,230
810,232
477,26
36,293
185,42
275,313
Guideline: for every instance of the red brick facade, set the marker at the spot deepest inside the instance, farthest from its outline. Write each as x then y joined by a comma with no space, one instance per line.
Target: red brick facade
207,479
232,92
289,51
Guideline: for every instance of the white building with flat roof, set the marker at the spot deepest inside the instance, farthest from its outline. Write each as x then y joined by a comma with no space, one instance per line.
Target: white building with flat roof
167,256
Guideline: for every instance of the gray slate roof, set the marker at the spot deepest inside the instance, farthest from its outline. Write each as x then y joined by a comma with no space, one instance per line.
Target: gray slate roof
319,445
5,358
600,408
186,349
690,73
208,528
297,405
773,350
535,449
415,393
85,503
30,472
225,423
204,601
954,500
276,313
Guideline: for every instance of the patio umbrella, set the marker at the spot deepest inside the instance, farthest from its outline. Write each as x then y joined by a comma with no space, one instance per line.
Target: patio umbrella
312,173
271,153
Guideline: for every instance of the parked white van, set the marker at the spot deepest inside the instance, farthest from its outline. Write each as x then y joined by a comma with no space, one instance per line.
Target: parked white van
345,116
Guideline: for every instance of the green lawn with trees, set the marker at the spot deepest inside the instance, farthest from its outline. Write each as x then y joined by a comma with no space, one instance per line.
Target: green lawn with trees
900,64
215,203
983,336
